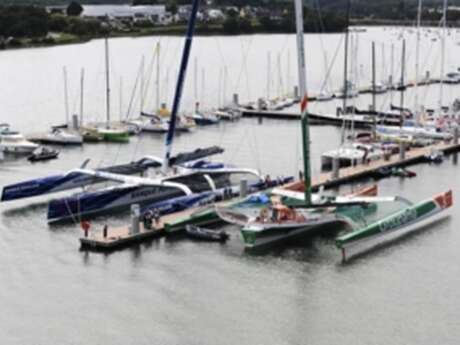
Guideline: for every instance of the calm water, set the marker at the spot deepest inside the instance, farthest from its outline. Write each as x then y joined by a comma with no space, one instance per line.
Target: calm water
183,292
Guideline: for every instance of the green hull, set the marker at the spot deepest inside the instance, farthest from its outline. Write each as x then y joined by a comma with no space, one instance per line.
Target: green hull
205,218
403,219
115,137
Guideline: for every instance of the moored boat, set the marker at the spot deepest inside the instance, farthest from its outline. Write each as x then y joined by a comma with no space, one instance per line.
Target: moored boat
204,234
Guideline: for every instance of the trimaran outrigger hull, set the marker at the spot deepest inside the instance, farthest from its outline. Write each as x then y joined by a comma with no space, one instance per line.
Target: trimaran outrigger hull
409,218
62,182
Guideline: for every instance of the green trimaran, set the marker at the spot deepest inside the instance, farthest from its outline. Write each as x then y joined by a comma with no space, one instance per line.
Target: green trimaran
296,213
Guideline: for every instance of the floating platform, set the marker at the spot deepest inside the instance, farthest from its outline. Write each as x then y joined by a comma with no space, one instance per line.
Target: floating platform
118,237
412,156
319,119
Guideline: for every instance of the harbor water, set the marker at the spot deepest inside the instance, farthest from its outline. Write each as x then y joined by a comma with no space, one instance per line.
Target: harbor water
177,291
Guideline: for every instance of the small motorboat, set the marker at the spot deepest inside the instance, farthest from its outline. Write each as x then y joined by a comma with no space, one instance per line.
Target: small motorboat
435,156
402,172
206,234
381,173
43,154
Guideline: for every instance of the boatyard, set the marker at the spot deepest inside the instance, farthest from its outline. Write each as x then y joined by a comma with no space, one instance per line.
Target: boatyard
165,187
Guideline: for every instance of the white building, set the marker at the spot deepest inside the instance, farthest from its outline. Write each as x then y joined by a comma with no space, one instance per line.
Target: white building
147,12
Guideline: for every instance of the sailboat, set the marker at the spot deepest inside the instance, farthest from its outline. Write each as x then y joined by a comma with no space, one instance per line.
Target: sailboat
62,135
109,132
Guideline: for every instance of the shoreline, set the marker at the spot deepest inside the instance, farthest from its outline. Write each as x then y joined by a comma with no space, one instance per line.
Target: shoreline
179,30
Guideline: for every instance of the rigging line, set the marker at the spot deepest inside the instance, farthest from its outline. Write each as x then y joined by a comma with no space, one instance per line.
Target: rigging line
149,78
223,60
244,67
331,65
133,93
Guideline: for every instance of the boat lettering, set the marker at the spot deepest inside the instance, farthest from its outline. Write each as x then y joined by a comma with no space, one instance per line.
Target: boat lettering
405,217
143,193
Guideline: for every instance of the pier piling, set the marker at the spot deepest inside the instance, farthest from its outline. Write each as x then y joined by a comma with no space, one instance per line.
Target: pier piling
75,123
236,100
135,217
335,168
243,188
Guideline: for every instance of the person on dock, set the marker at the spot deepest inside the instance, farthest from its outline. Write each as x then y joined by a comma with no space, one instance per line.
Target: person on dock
268,180
366,153
148,220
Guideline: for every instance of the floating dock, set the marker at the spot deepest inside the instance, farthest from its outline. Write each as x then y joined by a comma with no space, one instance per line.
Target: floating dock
412,156
117,237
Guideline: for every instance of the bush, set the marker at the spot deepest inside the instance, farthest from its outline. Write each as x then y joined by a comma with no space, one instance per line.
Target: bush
23,21
231,26
58,23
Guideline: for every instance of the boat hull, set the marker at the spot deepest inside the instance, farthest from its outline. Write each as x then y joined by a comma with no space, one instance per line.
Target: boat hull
259,235
407,218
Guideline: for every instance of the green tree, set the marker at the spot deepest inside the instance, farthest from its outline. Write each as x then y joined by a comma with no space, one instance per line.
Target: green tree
246,25
74,9
231,25
171,7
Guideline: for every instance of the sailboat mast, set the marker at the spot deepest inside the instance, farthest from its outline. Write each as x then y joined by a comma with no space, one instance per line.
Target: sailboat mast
82,85
443,55
224,92
304,100
392,73
203,80
417,63
158,79
121,99
345,67
107,82
374,106
180,84
280,81
142,84
195,82
66,96
288,73
402,86
268,75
